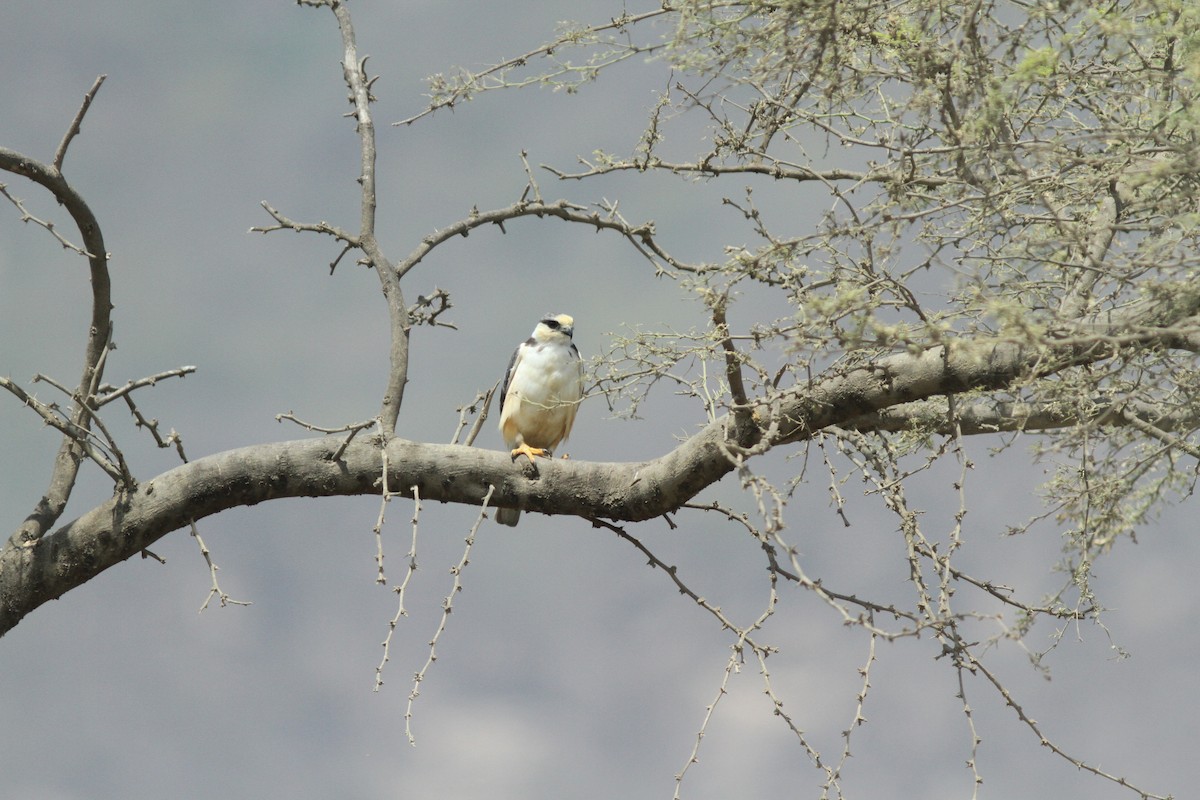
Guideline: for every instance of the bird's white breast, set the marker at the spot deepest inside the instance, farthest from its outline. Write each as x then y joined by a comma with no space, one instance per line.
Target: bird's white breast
543,395
547,375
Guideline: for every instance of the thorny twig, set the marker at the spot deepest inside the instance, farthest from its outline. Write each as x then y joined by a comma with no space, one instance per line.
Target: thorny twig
447,607
734,664
109,393
428,308
350,428
172,438
26,216
400,590
283,223
479,406
55,418
215,590
53,501
673,573
474,83
61,153
605,218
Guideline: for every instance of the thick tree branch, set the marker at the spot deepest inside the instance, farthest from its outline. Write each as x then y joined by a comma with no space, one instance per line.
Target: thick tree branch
131,522
125,525
981,417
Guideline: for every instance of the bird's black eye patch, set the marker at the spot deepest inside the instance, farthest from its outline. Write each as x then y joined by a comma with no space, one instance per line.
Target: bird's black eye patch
552,324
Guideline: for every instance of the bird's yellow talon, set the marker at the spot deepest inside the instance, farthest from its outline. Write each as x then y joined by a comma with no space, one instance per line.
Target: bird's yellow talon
529,452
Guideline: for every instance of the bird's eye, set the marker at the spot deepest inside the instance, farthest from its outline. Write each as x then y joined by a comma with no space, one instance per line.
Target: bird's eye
552,324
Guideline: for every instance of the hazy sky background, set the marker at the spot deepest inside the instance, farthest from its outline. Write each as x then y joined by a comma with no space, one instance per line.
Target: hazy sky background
569,668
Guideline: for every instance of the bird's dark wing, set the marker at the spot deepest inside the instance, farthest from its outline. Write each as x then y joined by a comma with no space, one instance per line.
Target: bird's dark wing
512,367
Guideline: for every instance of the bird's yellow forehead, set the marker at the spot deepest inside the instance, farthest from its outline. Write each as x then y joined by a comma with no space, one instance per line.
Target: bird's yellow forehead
554,325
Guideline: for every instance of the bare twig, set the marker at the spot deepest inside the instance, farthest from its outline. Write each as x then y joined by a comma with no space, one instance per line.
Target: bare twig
1011,702
110,393
116,457
428,308
26,216
56,419
684,589
836,600
969,714
384,498
736,659
641,236
471,84
447,607
400,590
786,718
215,589
171,439
734,664
351,428
73,131
283,223
479,406
859,701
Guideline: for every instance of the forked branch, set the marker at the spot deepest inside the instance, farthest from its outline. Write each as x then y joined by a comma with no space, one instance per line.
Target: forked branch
97,336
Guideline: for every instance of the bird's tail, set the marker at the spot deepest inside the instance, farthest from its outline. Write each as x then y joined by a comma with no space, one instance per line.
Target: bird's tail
508,516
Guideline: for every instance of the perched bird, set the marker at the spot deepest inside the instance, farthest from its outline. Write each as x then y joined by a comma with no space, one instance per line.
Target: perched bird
541,393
